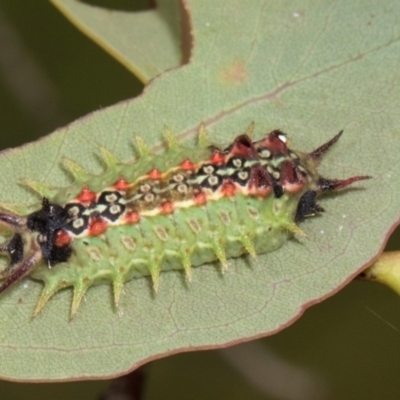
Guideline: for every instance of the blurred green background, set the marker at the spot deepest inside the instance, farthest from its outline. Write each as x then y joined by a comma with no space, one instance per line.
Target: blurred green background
344,348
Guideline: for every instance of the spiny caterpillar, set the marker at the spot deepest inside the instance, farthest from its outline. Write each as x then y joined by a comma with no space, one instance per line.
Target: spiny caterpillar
183,208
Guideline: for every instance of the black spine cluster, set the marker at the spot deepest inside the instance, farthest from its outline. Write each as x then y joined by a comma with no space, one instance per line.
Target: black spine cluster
15,249
307,206
50,219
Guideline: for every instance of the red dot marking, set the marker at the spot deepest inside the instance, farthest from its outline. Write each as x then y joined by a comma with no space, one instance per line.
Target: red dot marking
121,184
228,188
97,226
200,198
62,239
167,208
86,195
217,158
186,164
132,217
154,174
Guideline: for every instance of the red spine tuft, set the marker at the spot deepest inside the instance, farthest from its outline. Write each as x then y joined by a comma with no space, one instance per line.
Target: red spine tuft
243,147
291,178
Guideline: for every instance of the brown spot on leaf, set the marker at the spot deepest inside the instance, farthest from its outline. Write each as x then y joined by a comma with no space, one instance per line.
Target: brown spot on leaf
236,73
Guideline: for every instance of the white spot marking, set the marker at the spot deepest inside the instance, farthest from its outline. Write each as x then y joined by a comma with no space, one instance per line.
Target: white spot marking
78,223
282,138
213,180
178,178
237,162
145,187
73,211
111,198
149,197
243,175
182,188
115,209
265,153
209,169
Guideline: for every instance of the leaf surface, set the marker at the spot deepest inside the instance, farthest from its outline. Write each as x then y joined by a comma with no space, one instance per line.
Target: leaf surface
310,68
146,42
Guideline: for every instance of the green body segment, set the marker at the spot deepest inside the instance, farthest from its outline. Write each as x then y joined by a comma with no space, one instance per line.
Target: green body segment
200,234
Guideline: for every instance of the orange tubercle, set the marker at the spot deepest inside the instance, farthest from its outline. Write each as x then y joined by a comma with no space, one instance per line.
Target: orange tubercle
200,198
132,217
167,208
155,174
97,226
186,164
228,188
62,239
86,195
217,157
121,184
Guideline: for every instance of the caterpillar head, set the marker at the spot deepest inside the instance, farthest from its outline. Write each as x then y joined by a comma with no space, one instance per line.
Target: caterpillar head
38,236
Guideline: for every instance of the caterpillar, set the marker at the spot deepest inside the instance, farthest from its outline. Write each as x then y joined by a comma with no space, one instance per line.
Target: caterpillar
183,208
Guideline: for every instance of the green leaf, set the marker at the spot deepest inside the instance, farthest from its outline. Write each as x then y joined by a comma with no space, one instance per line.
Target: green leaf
146,42
309,68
